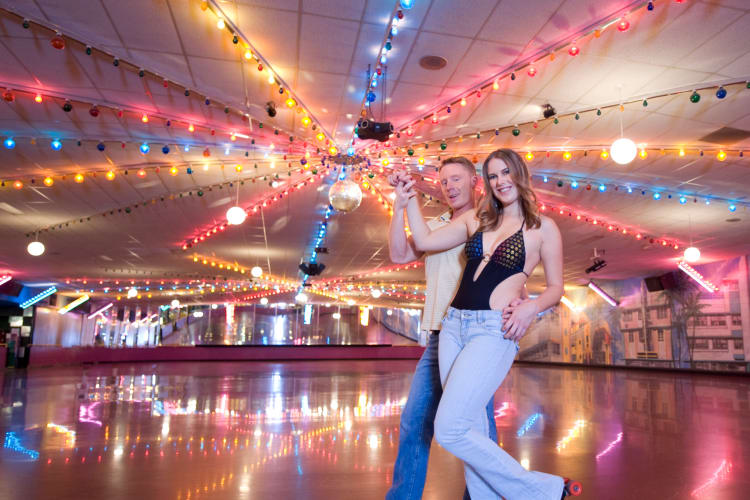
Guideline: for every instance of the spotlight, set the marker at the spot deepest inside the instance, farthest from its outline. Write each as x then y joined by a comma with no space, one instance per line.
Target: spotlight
597,265
271,108
548,111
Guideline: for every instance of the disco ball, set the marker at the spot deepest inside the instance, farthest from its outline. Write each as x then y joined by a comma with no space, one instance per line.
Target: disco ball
345,195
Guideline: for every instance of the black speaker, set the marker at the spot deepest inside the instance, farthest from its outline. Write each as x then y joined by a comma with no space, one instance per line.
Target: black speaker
666,281
653,284
368,129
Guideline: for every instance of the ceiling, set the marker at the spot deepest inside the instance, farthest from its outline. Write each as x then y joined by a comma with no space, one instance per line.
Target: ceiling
134,227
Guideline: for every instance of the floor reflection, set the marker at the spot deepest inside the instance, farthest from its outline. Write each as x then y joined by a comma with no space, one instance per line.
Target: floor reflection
330,430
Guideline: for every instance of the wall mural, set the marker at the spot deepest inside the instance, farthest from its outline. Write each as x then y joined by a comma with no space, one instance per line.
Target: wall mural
681,326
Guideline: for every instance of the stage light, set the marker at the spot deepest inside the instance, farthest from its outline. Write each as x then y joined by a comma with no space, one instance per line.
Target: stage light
698,277
101,310
623,151
236,216
35,248
80,300
36,298
597,265
603,294
568,303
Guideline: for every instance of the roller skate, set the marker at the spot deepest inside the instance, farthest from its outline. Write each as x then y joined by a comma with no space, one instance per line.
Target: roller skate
571,488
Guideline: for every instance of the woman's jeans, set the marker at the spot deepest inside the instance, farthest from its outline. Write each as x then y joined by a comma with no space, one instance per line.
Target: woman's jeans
417,426
474,359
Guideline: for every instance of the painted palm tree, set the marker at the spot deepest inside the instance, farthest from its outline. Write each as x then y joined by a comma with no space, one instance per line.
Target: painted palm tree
692,308
684,304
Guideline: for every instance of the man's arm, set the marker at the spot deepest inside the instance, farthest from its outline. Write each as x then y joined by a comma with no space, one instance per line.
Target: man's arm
400,247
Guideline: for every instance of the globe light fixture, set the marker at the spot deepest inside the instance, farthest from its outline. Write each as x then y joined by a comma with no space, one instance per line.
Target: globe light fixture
623,151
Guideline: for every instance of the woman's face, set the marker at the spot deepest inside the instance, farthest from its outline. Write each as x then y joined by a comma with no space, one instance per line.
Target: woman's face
501,183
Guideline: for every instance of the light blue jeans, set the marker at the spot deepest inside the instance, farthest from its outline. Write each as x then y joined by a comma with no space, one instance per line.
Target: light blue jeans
417,427
474,359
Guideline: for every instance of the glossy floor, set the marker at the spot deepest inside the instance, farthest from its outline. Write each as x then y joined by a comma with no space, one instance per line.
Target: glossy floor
329,430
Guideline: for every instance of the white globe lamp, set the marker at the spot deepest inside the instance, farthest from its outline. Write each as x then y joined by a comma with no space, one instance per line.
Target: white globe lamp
623,151
263,301
236,216
35,248
256,272
692,254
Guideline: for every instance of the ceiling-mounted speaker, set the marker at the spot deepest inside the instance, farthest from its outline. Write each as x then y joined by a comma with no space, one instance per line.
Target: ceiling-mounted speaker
666,281
369,129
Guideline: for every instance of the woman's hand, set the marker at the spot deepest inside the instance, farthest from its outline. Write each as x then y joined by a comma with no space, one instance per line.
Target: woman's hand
517,318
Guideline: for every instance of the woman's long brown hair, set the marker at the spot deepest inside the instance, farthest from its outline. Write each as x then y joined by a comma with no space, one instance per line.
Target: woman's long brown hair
490,209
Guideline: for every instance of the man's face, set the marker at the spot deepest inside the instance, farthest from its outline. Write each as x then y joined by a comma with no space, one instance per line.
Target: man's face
457,185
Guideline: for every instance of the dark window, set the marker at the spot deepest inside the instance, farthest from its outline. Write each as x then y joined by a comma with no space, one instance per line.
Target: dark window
641,337
738,344
720,344
699,343
661,335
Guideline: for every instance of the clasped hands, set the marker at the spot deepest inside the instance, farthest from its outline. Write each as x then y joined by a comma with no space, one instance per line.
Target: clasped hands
403,184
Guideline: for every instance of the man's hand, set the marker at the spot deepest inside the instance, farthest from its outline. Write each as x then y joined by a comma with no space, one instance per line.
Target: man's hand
404,192
399,176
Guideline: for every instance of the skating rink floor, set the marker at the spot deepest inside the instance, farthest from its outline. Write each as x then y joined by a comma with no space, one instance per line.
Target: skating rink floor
329,430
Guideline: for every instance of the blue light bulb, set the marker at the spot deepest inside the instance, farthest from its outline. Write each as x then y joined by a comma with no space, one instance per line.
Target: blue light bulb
383,59
374,83
683,200
602,188
574,184
56,144
10,143
657,196
732,207
145,148
187,147
407,4
350,151
630,189
394,30
545,178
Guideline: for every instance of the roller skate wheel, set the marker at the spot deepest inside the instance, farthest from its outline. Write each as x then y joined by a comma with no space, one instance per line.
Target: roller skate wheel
574,488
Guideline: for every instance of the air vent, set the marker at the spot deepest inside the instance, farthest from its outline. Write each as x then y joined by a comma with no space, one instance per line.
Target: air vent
726,136
433,62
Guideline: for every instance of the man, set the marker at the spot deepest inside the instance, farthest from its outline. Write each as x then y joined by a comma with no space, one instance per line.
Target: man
458,180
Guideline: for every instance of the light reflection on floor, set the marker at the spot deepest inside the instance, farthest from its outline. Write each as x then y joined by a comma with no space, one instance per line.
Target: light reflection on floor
329,430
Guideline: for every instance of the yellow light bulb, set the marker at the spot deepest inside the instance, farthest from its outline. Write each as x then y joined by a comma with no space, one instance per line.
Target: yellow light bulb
643,154
271,79
567,155
682,152
221,24
495,85
38,98
321,136
48,181
144,118
290,103
529,156
110,175
248,54
386,162
721,155
78,178
421,160
191,128
306,121
604,154
332,150
463,101
173,171
238,168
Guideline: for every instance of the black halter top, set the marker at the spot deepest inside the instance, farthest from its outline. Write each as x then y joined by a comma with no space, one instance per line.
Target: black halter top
508,259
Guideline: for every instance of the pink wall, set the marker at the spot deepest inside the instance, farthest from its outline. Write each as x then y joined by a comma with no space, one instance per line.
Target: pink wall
71,329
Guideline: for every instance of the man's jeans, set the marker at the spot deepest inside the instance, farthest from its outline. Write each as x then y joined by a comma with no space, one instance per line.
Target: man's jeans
474,360
417,427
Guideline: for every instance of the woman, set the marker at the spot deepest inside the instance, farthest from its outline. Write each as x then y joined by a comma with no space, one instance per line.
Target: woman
506,238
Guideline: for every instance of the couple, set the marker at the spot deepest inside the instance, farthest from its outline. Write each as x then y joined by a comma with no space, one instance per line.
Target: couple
480,258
